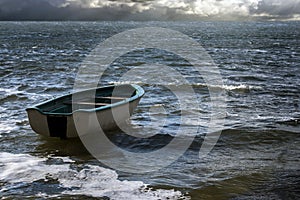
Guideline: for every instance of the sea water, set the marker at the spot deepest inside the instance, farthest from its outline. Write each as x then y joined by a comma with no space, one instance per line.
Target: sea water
256,157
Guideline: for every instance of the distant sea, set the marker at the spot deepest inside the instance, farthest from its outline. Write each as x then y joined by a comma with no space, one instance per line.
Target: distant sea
256,157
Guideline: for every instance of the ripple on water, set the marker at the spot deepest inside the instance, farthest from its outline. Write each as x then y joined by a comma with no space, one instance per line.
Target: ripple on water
6,128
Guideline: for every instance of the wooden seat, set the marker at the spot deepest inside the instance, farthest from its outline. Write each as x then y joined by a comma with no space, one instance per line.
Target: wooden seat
86,103
115,98
89,102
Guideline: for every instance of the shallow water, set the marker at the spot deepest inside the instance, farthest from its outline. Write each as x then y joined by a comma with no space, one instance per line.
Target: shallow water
256,157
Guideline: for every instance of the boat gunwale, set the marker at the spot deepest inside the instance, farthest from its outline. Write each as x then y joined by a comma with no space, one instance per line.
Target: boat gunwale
139,93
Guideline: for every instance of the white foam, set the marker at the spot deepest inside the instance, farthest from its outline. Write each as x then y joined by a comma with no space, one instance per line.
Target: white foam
10,91
6,127
25,168
125,82
90,181
98,182
240,87
64,159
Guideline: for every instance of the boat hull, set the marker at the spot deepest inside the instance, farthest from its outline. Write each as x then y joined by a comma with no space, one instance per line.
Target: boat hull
81,121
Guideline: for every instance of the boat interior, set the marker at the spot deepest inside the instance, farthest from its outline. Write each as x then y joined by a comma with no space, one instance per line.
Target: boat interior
85,100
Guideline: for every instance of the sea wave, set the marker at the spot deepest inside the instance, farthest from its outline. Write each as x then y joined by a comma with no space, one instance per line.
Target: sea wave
238,87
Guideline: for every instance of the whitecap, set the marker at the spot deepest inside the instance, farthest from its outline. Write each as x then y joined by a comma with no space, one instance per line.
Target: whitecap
91,180
98,182
10,91
240,87
125,82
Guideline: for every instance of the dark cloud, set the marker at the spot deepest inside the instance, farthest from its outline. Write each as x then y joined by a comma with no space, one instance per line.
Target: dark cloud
278,9
28,10
43,10
148,9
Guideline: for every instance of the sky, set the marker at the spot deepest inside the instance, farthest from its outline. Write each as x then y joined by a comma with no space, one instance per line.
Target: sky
143,10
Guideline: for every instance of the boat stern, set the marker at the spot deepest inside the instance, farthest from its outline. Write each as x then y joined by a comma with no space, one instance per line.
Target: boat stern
38,121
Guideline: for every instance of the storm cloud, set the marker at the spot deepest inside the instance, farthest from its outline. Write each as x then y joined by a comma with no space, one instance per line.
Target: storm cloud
149,9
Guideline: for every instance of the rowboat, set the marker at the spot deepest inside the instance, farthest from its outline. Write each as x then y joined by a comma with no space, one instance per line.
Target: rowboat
112,105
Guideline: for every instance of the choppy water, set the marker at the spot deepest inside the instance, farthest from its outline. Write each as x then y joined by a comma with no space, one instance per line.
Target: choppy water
256,157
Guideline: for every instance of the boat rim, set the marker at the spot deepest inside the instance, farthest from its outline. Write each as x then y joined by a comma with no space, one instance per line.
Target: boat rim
139,93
